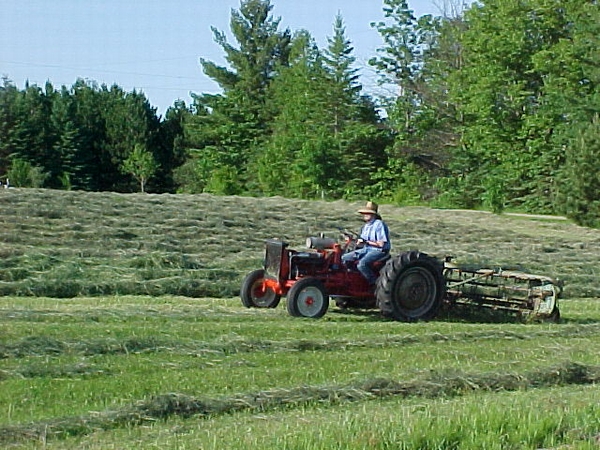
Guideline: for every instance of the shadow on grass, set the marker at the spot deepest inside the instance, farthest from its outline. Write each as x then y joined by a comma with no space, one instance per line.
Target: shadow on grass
367,315
459,314
470,314
464,314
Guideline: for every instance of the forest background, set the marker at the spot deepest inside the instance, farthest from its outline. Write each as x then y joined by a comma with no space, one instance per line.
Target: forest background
491,106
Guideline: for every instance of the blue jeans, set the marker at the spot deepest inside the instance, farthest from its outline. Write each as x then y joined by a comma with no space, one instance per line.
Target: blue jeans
366,256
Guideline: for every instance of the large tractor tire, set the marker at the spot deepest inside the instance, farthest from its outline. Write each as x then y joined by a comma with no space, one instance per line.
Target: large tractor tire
253,293
307,298
411,287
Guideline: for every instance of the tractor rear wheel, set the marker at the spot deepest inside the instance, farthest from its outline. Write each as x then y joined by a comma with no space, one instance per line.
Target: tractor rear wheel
411,287
255,295
307,298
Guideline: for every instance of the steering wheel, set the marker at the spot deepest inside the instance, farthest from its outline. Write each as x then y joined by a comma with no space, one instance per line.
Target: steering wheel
350,237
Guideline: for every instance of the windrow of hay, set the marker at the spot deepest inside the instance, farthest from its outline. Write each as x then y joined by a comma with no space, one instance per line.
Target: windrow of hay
436,385
41,370
69,243
46,346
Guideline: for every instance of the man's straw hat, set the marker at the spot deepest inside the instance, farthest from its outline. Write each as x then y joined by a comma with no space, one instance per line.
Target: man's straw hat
370,208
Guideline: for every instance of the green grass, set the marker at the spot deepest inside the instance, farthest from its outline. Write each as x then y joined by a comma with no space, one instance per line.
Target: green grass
121,329
175,372
515,420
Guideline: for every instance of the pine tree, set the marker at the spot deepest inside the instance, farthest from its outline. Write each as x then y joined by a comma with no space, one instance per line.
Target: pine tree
294,162
359,141
230,126
345,88
410,109
323,135
9,122
67,144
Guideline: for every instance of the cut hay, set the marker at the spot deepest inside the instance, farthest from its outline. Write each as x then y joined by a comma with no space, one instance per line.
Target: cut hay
435,385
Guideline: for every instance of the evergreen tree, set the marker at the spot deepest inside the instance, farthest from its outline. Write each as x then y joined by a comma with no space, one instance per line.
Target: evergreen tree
345,88
67,144
411,115
78,138
90,161
24,174
31,136
290,165
170,152
359,140
9,123
323,139
129,120
230,126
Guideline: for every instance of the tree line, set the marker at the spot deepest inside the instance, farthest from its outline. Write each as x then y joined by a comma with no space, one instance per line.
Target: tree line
492,106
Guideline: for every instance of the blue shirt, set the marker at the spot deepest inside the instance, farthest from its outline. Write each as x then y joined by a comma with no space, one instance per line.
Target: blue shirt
377,230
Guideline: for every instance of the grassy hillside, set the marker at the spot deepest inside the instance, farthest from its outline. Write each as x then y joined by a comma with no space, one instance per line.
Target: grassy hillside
181,364
65,244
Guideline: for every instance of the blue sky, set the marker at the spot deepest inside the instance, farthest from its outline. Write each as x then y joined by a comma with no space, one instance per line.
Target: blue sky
154,45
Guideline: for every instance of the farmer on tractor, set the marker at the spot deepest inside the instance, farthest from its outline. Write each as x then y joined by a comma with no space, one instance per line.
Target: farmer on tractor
410,286
374,243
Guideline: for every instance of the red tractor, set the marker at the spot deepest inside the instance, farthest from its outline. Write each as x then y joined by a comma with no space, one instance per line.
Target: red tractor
410,286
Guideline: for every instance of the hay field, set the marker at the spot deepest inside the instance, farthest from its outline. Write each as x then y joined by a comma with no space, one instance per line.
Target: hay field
121,329
65,244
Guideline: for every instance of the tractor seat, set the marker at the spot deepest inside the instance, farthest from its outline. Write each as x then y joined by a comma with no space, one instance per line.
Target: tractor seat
378,265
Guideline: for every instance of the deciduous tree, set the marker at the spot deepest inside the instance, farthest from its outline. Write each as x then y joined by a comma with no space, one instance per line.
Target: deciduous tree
141,165
502,97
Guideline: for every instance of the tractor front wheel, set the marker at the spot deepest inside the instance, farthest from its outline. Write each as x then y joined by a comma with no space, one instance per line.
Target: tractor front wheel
411,287
307,298
255,294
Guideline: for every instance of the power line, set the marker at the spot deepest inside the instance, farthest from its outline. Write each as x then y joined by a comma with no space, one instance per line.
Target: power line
116,72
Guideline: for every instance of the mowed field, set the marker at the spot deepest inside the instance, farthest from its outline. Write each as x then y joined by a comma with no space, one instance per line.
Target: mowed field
121,328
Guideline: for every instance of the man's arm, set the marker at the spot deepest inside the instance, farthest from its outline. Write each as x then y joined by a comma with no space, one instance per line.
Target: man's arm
381,236
379,244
